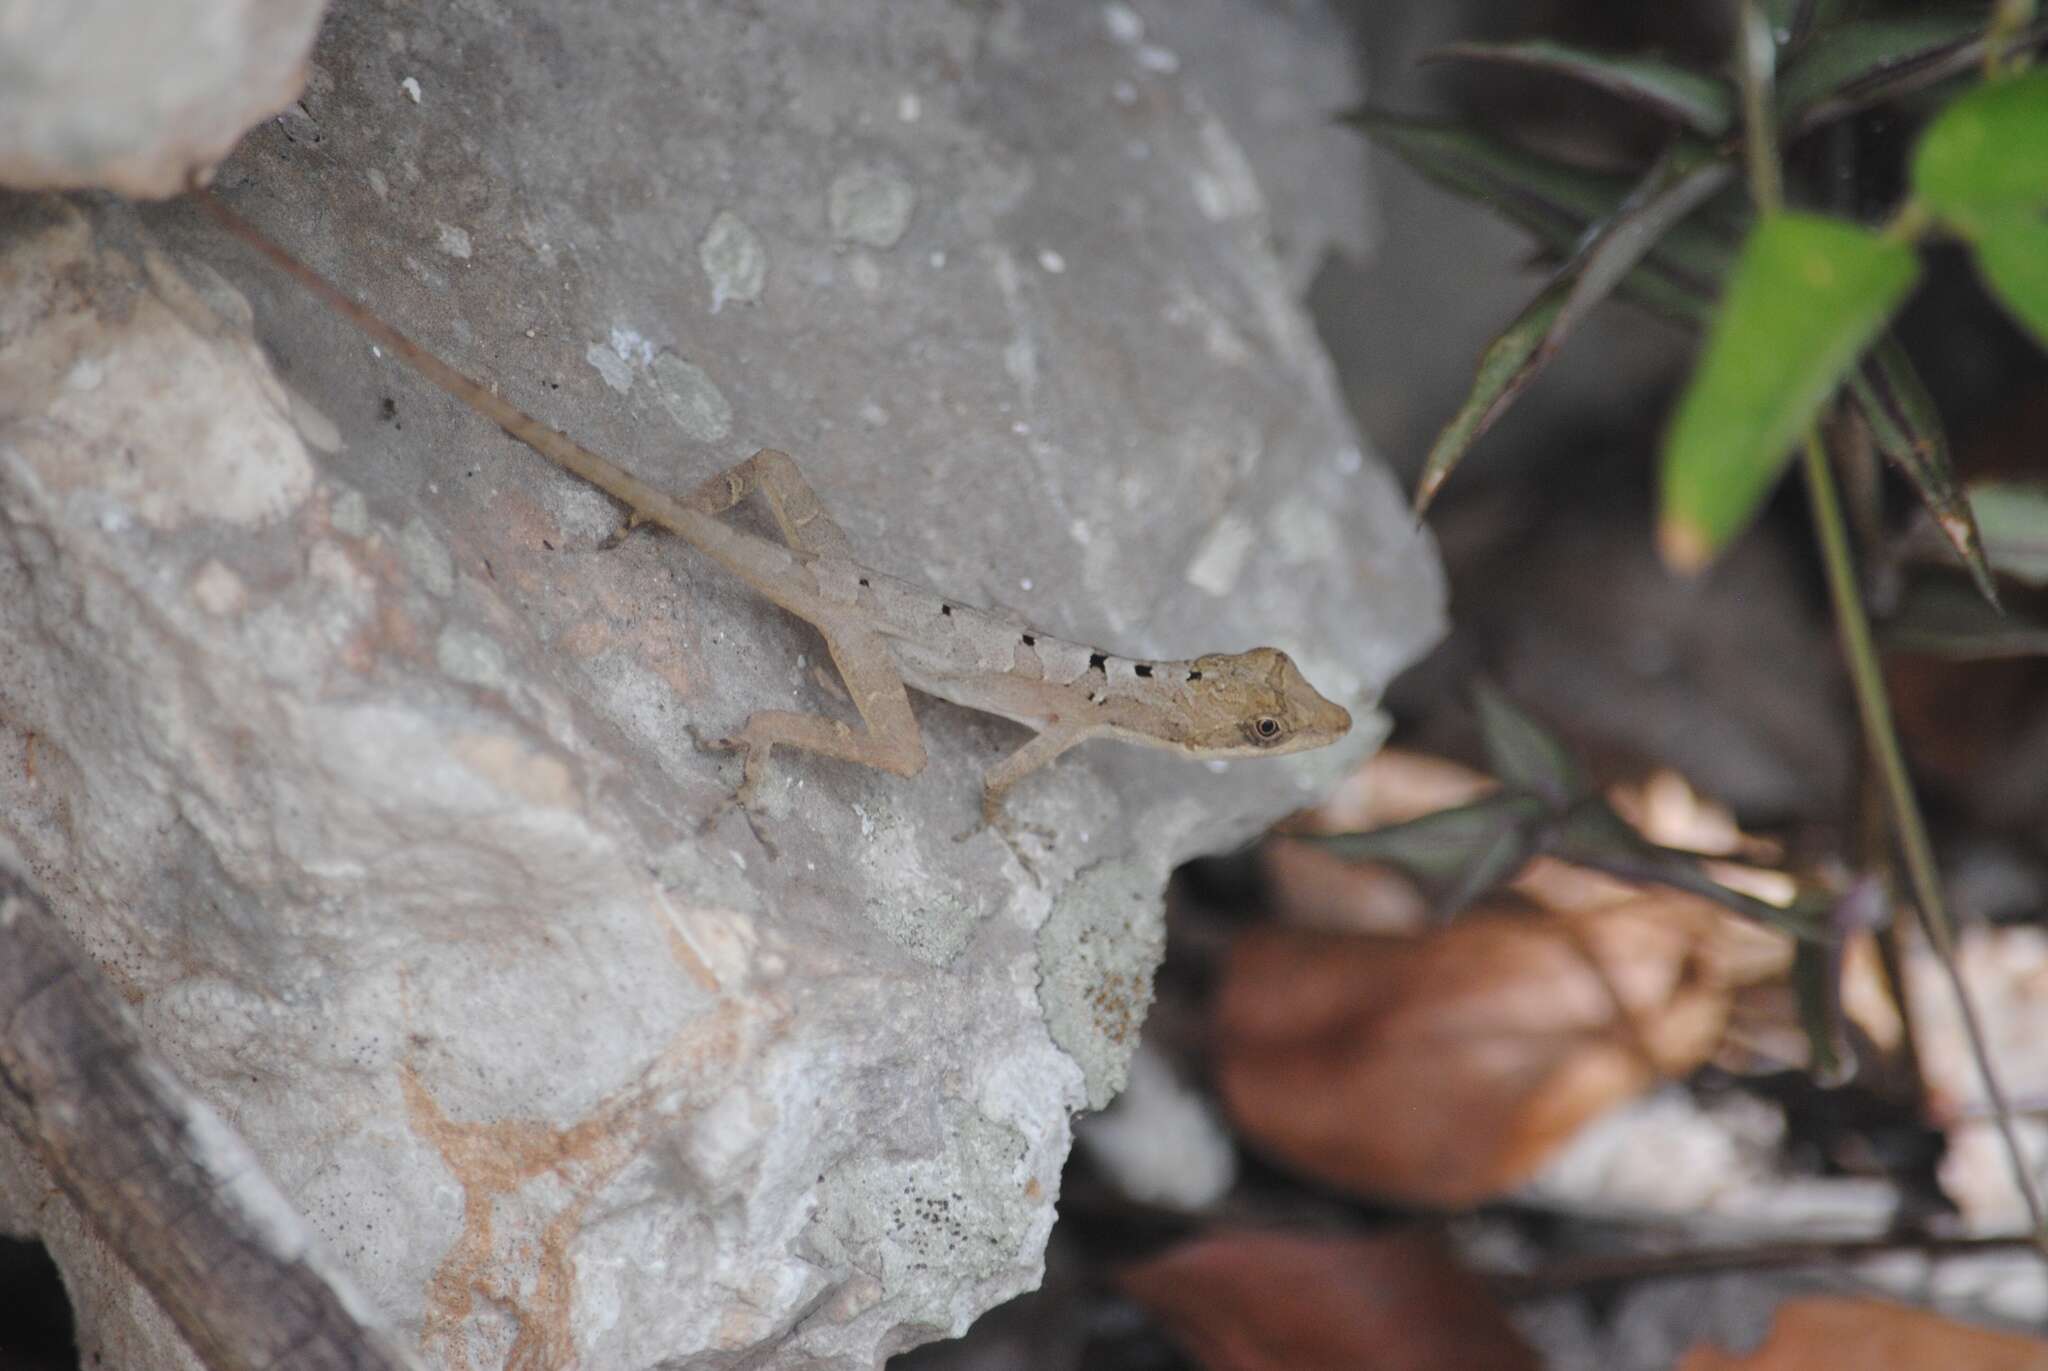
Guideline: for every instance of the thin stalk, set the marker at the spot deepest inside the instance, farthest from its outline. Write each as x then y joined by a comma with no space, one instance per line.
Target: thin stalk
1874,708
1756,56
1584,1272
1910,224
2008,19
1755,60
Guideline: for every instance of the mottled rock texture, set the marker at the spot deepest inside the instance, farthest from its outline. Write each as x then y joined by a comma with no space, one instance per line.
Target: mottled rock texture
141,96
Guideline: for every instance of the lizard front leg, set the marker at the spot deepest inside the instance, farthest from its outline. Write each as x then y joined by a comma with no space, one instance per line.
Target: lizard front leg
996,785
891,741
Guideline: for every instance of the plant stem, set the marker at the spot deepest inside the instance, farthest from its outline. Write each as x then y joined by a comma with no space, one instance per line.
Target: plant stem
1911,222
1582,1272
1756,56
2008,18
1882,740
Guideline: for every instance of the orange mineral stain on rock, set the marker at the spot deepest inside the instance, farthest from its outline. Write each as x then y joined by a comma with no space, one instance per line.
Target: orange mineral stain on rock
530,1280
490,1160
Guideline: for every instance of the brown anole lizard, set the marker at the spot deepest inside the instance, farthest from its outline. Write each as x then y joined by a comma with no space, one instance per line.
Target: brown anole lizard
886,634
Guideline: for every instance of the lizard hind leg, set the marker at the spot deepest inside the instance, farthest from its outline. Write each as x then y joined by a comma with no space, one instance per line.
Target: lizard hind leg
798,511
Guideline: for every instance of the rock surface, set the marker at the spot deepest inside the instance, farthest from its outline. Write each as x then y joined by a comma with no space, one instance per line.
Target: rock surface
141,96
343,741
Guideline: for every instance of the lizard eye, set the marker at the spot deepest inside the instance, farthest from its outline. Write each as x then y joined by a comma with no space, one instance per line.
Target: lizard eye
1268,728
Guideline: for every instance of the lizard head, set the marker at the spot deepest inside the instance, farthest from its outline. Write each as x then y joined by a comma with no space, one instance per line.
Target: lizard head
1257,703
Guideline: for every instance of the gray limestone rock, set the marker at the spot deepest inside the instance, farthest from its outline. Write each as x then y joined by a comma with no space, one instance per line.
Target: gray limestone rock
344,739
141,96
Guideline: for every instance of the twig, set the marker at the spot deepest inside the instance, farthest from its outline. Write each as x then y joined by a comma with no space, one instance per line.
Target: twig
1579,1273
1883,741
2009,18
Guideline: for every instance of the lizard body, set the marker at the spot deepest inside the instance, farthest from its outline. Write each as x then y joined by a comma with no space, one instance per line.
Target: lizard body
885,633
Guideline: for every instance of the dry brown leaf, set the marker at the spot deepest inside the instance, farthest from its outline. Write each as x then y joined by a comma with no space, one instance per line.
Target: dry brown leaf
1312,887
1445,1069
1823,1333
2006,970
1664,808
1291,1302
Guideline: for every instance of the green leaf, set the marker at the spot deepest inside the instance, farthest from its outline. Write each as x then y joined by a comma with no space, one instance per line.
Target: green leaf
1593,835
1942,617
1522,753
1676,186
1985,158
2014,517
1459,854
1846,67
2012,256
1811,15
1982,166
1556,203
1785,16
1816,989
1552,199
1894,404
1700,102
1806,297
1508,364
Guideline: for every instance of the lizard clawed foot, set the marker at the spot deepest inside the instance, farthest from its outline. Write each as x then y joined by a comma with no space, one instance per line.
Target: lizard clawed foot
1012,831
749,782
744,795
736,801
619,535
741,800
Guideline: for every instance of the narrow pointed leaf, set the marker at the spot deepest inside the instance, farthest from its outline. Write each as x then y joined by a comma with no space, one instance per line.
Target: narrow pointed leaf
1493,834
1556,203
2012,257
1985,157
1522,752
1788,17
1810,16
1894,404
2014,517
1846,67
1806,297
1494,868
1551,199
1793,20
1700,102
1592,835
1676,186
1942,617
1816,988
1508,364
1669,295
